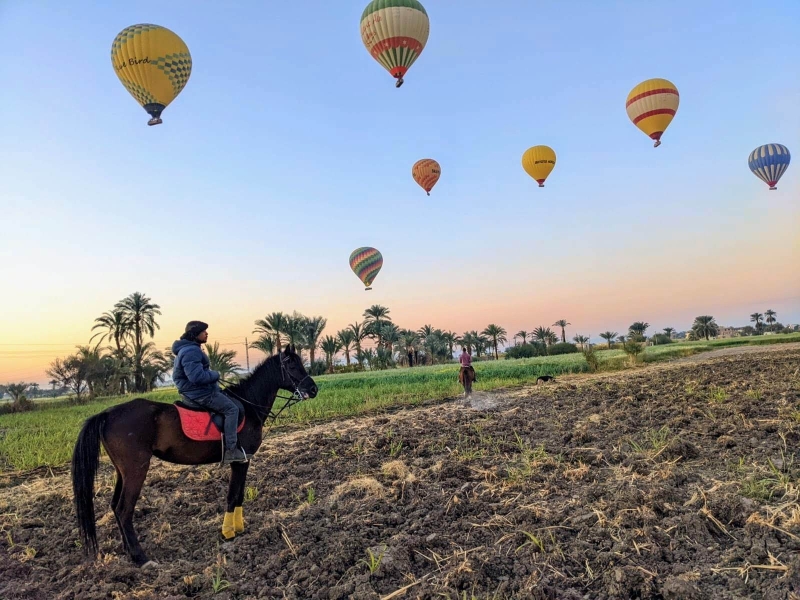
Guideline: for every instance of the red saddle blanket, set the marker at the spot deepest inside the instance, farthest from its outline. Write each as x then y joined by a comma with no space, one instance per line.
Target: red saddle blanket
198,426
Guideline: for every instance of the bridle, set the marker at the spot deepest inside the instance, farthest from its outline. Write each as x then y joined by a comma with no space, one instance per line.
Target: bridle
296,397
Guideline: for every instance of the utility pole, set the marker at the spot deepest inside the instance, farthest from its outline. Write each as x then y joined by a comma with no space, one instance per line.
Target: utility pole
247,354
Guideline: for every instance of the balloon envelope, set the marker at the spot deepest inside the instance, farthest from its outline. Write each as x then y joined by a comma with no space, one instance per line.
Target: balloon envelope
769,162
366,262
652,105
538,162
395,32
426,173
153,64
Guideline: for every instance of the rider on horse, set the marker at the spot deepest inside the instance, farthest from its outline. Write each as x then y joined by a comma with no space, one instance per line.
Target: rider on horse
197,382
466,362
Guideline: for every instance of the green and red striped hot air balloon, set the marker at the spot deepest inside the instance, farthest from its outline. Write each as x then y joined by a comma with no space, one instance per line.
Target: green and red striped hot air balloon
366,262
395,32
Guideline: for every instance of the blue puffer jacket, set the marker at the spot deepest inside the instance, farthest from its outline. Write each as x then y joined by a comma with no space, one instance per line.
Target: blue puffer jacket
191,374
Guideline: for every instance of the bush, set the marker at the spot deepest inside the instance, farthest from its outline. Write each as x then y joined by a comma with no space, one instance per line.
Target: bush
562,348
660,339
525,351
591,359
319,367
633,349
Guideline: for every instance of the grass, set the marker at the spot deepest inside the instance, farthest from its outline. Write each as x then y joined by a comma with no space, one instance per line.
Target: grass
46,436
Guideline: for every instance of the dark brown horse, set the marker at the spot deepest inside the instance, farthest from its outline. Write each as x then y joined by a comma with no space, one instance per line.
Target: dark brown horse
465,377
133,432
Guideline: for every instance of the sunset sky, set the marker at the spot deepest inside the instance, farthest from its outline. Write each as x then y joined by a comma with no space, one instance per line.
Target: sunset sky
290,147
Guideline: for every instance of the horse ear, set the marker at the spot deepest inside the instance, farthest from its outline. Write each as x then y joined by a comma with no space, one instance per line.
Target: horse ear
286,350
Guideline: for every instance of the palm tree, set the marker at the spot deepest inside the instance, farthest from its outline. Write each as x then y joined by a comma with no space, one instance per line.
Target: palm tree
497,335
272,325
563,324
312,331
621,339
468,341
294,328
16,390
668,331
705,326
374,316
346,339
544,335
265,343
330,346
450,338
637,330
523,335
140,315
358,336
482,343
222,361
409,344
770,316
756,318
581,339
54,383
115,325
609,336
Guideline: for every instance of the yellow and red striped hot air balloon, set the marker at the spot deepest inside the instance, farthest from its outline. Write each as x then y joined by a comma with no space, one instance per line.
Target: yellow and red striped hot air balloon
395,32
426,173
153,64
539,162
651,106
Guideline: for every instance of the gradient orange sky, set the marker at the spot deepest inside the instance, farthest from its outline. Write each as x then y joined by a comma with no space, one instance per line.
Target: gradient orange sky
251,195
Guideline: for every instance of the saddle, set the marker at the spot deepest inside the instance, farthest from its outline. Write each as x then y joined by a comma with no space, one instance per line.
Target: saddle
196,420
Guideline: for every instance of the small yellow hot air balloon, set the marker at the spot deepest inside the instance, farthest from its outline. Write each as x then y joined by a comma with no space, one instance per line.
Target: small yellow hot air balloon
153,64
652,105
538,162
426,173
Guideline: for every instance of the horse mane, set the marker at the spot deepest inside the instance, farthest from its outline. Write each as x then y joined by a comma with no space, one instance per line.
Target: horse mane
261,386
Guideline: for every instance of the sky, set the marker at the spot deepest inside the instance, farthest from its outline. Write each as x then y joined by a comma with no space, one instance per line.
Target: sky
290,146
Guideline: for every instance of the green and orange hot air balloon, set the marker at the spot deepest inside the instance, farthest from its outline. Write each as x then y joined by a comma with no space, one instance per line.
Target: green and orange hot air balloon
394,32
366,262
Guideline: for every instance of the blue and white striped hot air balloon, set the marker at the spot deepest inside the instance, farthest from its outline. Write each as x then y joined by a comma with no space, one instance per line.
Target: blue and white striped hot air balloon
769,162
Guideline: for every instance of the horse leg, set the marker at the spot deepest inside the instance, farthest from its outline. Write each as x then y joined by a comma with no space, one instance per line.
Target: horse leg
233,521
114,502
134,471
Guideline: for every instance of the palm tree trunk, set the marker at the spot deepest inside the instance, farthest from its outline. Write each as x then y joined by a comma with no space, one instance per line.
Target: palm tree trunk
347,357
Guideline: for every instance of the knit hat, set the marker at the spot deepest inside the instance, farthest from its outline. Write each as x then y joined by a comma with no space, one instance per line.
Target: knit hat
195,328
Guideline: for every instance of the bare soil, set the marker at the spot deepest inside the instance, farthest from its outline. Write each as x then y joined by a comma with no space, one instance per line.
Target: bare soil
671,481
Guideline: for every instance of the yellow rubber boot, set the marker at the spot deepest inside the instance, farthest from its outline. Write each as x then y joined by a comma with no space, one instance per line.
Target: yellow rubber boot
238,520
228,531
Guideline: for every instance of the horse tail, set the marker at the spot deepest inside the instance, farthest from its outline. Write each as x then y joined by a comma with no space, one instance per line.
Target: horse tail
85,461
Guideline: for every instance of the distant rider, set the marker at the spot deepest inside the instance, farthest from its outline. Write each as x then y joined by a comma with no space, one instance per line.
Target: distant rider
195,380
466,361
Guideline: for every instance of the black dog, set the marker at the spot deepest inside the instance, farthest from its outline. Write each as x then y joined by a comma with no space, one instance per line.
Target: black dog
545,379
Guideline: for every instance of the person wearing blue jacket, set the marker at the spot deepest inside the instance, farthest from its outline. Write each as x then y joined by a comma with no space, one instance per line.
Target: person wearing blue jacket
196,381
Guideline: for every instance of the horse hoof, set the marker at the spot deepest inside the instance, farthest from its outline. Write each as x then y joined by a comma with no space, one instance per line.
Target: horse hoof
150,564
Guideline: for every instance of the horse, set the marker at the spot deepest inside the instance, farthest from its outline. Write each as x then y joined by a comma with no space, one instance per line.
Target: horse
465,377
135,431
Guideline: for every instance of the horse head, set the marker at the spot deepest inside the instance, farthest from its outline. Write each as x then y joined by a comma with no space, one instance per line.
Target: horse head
294,377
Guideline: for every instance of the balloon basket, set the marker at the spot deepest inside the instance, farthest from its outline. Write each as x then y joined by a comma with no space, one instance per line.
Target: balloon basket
772,188
399,82
657,144
155,121
367,289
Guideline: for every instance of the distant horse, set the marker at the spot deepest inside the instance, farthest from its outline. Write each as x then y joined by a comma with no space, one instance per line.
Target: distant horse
465,377
137,430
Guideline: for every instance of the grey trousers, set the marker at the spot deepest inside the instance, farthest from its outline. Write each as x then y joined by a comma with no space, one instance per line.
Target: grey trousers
220,403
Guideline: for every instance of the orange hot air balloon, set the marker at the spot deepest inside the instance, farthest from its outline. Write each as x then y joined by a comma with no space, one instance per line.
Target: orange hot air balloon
426,173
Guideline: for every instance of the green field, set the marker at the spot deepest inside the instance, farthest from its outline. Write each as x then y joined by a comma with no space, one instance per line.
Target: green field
45,437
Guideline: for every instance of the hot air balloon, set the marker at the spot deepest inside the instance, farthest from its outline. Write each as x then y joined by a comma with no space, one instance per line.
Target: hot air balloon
153,64
651,106
538,162
395,32
366,262
426,173
769,162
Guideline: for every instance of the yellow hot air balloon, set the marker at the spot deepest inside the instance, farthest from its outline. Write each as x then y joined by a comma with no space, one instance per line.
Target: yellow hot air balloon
426,173
652,105
538,162
153,64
